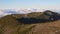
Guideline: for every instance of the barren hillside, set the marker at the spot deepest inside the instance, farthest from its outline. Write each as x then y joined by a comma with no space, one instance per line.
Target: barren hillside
11,24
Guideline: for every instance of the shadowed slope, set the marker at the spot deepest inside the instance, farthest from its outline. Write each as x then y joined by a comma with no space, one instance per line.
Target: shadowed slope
39,17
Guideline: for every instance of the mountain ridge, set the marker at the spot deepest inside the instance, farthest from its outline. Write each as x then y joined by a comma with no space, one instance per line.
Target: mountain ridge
22,11
20,24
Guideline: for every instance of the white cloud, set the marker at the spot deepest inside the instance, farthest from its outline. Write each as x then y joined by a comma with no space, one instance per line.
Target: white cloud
2,13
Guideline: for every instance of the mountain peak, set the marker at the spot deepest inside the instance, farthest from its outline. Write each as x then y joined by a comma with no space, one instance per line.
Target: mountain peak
50,12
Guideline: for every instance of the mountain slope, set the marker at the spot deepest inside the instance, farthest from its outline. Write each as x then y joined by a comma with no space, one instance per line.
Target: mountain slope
47,28
39,28
38,16
10,25
8,19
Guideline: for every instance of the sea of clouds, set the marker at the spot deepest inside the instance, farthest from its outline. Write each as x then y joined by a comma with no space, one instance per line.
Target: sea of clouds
23,11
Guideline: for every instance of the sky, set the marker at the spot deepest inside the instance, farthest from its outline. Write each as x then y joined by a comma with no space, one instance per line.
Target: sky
23,4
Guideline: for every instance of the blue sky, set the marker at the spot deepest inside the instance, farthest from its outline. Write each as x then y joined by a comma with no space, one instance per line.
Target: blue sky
17,4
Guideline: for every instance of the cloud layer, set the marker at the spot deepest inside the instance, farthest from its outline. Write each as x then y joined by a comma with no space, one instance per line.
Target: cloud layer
8,12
